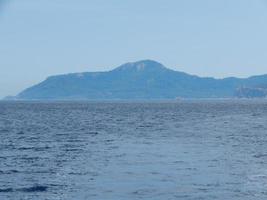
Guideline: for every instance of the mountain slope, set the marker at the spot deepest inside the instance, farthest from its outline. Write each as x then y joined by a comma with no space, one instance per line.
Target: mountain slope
145,79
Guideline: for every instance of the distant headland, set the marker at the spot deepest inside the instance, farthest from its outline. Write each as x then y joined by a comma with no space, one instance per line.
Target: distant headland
146,79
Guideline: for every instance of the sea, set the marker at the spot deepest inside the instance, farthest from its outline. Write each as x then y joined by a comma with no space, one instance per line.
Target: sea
158,150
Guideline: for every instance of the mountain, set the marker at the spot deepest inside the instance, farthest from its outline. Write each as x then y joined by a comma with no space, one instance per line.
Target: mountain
145,79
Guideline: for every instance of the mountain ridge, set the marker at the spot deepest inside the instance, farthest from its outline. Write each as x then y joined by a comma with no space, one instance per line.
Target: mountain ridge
145,79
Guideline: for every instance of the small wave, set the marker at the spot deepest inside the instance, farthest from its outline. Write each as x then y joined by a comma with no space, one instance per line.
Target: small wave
34,148
13,171
25,148
6,190
260,156
93,133
109,140
73,150
37,188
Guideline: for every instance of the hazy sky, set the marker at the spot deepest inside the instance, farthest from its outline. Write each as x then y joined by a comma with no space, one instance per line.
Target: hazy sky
217,38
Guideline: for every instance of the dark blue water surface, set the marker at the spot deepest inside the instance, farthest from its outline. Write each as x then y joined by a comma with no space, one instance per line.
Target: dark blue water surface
118,151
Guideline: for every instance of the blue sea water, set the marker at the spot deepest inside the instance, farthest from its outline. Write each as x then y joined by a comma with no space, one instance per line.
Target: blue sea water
133,150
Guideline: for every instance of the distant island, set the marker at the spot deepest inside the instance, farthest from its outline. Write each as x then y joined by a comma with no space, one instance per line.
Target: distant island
146,79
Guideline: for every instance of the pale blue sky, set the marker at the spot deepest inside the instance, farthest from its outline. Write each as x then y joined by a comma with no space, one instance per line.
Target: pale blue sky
217,38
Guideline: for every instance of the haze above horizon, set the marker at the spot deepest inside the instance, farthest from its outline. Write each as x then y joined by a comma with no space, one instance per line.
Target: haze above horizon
207,38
